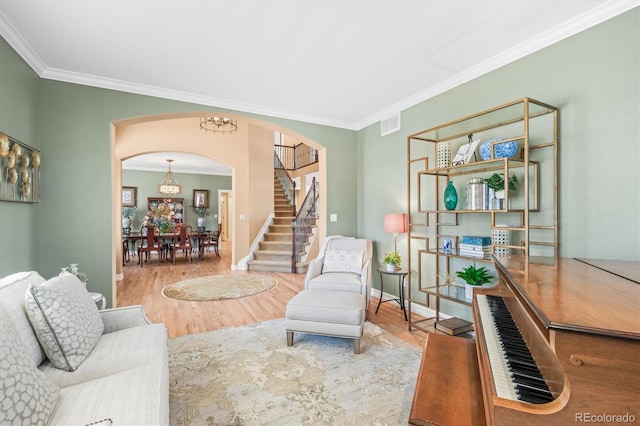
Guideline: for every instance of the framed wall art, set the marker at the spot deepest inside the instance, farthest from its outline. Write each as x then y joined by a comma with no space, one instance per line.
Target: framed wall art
464,154
19,171
129,196
200,198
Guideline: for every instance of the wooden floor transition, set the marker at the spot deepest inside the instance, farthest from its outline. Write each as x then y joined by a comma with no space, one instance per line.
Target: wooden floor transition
143,286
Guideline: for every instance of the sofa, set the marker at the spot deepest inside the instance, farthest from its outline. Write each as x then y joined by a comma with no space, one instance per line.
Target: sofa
64,362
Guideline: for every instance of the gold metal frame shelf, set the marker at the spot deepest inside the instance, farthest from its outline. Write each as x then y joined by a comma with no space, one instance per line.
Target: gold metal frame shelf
534,126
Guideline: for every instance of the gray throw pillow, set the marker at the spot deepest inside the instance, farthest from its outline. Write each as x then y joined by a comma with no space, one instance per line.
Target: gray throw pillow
27,397
65,319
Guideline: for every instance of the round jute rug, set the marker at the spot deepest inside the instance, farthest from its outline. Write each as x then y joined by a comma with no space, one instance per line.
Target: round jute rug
219,287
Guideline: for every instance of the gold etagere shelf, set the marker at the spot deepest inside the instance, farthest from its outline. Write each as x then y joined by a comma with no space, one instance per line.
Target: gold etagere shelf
531,215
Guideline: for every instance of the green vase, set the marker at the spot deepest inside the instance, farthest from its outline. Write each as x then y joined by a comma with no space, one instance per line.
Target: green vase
450,196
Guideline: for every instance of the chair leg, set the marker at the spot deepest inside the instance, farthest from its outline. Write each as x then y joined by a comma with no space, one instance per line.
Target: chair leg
356,346
289,338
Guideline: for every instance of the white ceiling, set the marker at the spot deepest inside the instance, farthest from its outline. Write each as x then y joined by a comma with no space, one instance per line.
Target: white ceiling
182,163
341,63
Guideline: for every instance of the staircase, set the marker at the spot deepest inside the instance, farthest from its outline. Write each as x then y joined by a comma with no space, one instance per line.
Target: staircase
274,252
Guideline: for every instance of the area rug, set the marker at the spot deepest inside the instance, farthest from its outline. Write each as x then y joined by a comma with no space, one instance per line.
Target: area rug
219,287
249,376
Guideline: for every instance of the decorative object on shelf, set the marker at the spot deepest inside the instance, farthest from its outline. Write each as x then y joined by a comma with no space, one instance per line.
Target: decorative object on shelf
496,184
450,196
200,198
474,277
477,194
218,124
392,260
500,150
19,171
73,269
443,155
465,152
127,212
447,245
501,237
161,216
129,196
202,212
395,223
169,185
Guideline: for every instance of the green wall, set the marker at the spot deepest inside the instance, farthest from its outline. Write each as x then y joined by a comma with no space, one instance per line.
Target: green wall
18,119
593,78
147,182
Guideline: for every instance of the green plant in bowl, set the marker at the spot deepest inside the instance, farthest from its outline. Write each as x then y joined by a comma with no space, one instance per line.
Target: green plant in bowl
391,258
473,275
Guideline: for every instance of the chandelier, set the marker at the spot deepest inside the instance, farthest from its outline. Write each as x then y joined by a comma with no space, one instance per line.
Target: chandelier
218,124
169,185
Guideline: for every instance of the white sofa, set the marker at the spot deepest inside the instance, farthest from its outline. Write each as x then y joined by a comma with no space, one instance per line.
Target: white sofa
123,379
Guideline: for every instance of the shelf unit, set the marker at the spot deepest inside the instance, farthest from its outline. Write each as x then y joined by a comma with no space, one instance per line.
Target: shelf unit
530,214
175,204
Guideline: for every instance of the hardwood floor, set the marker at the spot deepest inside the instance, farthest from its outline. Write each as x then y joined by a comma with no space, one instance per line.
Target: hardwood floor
143,286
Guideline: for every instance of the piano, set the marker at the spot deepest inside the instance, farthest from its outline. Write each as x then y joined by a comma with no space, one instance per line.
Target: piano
557,342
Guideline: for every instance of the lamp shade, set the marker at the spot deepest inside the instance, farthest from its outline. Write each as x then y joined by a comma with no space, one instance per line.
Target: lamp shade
395,223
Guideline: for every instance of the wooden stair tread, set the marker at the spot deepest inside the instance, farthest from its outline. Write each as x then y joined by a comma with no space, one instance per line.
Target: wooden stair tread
448,390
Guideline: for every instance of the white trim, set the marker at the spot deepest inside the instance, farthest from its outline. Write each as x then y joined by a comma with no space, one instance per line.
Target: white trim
421,310
243,264
567,29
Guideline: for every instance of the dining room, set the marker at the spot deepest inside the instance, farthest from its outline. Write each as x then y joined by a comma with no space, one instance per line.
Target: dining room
169,194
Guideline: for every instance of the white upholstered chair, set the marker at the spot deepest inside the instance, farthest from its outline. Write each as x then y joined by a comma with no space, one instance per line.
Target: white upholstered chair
343,264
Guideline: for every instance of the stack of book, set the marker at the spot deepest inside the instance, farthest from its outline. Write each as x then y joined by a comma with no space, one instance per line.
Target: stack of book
472,246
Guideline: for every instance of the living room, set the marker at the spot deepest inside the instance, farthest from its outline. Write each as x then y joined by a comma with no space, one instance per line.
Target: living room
591,76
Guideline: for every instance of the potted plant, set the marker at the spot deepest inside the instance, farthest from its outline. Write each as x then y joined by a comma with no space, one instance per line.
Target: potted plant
202,212
474,276
497,184
392,259
127,212
73,269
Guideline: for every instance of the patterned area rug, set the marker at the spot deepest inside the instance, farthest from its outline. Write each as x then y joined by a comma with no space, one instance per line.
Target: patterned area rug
219,287
249,376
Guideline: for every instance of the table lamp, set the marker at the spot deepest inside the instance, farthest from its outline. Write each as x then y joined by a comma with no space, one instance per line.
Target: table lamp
396,223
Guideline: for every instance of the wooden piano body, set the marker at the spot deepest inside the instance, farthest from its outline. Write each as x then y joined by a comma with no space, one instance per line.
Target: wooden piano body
582,325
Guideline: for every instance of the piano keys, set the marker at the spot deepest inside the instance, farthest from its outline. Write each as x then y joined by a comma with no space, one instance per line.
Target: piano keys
556,341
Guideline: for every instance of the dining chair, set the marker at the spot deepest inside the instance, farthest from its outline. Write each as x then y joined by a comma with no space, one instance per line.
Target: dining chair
214,241
181,241
150,243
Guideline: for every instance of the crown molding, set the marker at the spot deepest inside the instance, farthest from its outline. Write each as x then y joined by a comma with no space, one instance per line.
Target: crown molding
580,23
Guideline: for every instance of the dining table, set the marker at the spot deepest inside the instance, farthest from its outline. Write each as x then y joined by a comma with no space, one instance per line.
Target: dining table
198,237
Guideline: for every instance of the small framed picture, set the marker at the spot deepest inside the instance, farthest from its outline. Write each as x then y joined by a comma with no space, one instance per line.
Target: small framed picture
129,196
464,154
200,198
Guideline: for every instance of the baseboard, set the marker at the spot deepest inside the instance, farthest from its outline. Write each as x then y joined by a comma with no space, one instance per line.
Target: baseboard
421,310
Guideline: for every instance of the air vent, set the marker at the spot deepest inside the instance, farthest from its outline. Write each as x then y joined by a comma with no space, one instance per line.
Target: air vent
390,125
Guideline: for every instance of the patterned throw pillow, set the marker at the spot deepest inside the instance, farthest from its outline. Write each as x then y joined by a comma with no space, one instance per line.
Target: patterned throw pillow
66,320
27,397
342,261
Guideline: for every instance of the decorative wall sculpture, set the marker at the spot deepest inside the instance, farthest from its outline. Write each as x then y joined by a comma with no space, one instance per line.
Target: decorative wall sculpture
19,171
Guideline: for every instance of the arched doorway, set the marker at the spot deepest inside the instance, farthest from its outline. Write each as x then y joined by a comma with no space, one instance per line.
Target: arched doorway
244,151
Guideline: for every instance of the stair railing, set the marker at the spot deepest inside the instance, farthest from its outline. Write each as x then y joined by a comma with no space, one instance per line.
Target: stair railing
303,222
287,183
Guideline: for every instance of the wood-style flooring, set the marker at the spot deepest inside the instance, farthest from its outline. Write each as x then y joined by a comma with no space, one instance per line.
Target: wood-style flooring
143,286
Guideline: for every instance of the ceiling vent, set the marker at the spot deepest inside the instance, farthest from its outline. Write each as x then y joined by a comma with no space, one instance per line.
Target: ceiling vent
390,125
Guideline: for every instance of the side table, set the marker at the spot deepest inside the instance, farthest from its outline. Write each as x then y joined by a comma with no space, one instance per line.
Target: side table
99,298
402,275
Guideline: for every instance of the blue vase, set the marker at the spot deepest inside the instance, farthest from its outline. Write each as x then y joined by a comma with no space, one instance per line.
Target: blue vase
450,196
501,150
